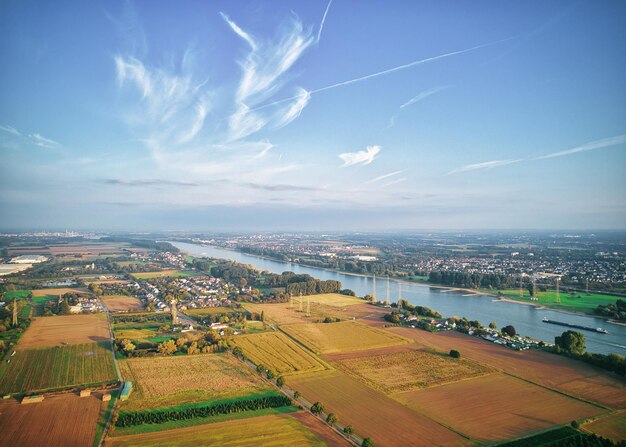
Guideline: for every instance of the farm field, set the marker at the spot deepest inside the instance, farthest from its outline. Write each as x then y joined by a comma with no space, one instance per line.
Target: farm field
611,426
410,370
331,299
577,301
159,274
40,369
170,381
68,329
554,371
122,303
270,431
87,249
371,413
63,420
284,313
39,303
278,353
203,312
496,407
342,336
58,291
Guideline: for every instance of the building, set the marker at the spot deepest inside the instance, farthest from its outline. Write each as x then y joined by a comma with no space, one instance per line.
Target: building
28,259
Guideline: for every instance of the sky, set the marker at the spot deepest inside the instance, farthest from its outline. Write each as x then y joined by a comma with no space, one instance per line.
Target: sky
312,115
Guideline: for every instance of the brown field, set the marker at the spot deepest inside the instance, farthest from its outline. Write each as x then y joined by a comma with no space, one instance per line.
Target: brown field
84,249
122,303
58,291
496,407
611,426
108,281
410,370
63,420
156,274
278,352
268,431
164,381
70,329
372,414
554,371
343,336
331,299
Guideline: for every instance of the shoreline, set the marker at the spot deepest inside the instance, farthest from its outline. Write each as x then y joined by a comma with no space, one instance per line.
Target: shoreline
474,292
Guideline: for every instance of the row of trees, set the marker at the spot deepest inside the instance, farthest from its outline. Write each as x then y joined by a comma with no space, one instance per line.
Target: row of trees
313,287
159,416
572,344
472,280
422,311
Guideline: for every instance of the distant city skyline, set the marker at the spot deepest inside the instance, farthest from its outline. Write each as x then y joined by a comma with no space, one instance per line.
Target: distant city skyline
313,115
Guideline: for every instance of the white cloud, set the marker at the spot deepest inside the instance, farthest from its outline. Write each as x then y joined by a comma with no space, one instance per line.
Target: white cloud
598,144
393,182
484,165
383,177
41,141
360,157
11,130
241,33
423,95
294,110
319,33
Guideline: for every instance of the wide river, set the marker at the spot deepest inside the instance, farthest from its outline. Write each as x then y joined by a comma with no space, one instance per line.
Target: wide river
526,319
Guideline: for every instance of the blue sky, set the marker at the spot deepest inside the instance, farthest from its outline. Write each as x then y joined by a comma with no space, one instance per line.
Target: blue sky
313,115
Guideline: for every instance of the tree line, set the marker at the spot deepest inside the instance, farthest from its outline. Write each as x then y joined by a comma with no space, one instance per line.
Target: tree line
159,416
472,280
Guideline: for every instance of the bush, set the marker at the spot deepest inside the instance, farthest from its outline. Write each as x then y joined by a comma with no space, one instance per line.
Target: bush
348,430
575,424
367,442
317,408
331,419
455,354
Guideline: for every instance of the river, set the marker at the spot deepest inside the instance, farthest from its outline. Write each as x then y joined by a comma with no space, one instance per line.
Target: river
526,319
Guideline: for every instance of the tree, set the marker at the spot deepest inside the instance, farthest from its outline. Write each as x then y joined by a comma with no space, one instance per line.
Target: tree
167,347
367,442
331,419
280,381
368,297
455,354
128,346
270,374
348,429
509,330
317,408
260,368
193,348
575,424
571,342
493,325
531,289
238,352
64,308
296,394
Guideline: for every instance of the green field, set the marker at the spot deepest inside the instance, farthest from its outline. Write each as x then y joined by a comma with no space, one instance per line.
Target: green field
19,294
33,370
546,438
39,303
577,301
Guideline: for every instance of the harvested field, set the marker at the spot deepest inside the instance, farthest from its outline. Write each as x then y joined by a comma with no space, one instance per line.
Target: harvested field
169,381
134,334
496,407
331,299
64,420
268,431
554,371
411,370
58,291
611,426
84,249
343,336
33,370
371,413
122,303
108,281
278,352
159,274
69,329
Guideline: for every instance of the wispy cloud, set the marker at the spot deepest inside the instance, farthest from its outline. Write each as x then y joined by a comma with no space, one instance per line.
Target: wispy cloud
360,157
11,130
484,165
598,144
42,141
393,182
241,33
295,109
279,187
383,177
148,182
423,95
319,33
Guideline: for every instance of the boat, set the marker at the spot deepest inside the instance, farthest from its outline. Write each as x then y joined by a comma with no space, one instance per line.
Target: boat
577,326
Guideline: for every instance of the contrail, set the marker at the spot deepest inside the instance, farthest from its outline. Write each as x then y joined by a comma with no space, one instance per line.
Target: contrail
319,33
384,72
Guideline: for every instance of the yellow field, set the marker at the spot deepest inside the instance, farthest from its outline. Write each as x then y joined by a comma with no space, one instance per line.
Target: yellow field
165,381
267,431
331,299
285,313
410,370
278,353
612,426
341,337
134,334
159,274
